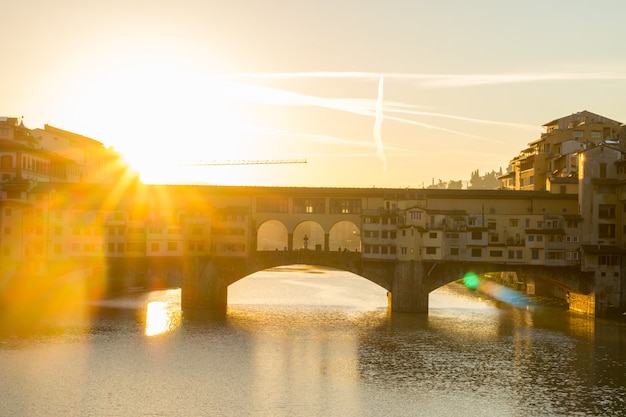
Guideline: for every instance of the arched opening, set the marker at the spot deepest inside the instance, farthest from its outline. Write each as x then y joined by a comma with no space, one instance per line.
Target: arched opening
272,235
302,287
308,235
345,235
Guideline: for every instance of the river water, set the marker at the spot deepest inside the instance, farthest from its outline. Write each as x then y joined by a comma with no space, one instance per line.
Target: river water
306,342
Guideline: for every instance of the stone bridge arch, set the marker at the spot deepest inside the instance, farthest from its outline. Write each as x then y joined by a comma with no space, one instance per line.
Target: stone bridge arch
414,280
206,280
205,283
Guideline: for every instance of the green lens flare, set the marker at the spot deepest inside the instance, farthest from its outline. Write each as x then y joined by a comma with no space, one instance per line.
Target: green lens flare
471,280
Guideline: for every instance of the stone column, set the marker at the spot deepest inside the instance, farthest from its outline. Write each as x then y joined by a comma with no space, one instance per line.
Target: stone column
409,293
326,242
290,241
203,287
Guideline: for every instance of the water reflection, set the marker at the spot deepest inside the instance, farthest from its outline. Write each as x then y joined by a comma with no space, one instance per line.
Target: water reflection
318,345
163,316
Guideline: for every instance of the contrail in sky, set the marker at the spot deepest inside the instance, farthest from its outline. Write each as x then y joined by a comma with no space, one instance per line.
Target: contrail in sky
378,124
446,80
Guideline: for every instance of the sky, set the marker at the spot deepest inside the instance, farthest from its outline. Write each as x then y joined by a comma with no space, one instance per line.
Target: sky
369,93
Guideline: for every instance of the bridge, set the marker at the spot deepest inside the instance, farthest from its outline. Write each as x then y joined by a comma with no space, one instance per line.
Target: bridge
409,283
409,242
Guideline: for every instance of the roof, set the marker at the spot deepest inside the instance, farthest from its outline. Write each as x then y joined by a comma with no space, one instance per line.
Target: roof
583,114
71,135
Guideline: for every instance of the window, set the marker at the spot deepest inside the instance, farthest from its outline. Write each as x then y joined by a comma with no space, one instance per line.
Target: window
511,254
552,224
154,247
608,260
530,238
454,251
606,231
432,235
477,235
415,215
554,255
513,222
345,205
606,211
6,161
494,238
534,254
308,205
476,252
495,253
602,170
172,246
431,250
273,204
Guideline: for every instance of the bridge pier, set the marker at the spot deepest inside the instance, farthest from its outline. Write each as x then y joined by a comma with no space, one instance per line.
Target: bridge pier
409,293
203,287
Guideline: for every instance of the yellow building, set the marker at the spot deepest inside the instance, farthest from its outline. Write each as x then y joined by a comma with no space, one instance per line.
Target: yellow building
549,161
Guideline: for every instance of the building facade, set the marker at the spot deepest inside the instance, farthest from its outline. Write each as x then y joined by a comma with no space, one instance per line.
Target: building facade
551,162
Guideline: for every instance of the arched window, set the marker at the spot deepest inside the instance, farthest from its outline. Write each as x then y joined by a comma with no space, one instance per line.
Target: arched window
6,161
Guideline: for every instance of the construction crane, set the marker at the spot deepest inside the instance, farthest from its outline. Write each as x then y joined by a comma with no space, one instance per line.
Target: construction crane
244,162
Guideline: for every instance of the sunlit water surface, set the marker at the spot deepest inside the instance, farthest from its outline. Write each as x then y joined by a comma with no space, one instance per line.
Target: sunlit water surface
316,343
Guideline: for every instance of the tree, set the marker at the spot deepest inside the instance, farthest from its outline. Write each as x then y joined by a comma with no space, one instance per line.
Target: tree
489,181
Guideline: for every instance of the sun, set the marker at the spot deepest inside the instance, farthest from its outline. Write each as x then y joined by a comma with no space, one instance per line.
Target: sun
160,116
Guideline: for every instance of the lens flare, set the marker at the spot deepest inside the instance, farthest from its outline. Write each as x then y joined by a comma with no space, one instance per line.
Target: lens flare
496,291
471,280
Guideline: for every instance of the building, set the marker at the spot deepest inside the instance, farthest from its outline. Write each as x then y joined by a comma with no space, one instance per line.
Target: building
551,162
602,205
